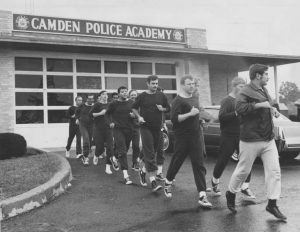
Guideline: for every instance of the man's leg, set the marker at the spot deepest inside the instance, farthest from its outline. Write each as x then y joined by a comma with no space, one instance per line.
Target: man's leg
135,147
78,141
99,143
86,142
272,170
160,157
72,133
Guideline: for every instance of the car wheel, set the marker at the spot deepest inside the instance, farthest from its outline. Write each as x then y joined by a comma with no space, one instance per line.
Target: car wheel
166,141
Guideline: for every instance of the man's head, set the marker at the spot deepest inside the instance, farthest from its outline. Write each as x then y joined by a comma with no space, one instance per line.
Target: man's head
123,92
102,96
152,83
114,96
259,74
237,84
187,84
78,100
90,99
133,94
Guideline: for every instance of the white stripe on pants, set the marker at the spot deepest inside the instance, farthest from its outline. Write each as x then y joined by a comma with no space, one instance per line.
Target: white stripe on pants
267,151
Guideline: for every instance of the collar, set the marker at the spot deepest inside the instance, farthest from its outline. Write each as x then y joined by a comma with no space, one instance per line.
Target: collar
253,86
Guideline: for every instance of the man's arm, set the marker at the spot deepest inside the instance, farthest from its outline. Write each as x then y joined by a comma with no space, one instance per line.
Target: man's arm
226,114
176,112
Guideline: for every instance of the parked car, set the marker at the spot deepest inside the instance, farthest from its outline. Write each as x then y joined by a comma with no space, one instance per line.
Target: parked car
287,134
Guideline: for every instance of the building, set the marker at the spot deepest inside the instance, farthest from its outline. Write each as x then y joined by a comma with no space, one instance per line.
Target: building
45,62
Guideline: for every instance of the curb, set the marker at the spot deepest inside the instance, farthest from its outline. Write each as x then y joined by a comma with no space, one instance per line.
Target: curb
40,195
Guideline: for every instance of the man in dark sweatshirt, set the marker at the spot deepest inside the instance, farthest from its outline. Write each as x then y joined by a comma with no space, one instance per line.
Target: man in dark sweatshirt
148,108
74,129
85,123
102,132
185,118
253,105
120,112
230,133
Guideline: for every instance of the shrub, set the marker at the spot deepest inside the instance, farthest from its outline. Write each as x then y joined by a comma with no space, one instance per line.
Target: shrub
12,145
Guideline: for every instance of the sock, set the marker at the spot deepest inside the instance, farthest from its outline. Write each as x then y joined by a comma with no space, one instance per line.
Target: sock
159,169
152,178
216,180
114,158
245,186
107,166
125,173
272,202
168,182
202,194
144,169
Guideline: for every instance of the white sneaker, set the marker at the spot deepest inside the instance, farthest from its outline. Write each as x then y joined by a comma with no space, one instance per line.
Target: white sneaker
86,161
101,156
108,170
78,156
95,160
68,154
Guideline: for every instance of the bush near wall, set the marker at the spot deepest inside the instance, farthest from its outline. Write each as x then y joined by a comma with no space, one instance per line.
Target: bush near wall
12,145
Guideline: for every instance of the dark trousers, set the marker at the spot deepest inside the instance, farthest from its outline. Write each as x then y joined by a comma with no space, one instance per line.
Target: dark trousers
103,136
150,141
86,131
228,144
188,145
136,144
74,130
122,140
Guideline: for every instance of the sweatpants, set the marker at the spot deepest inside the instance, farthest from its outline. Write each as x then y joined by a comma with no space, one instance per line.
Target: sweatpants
122,140
268,153
150,141
103,135
188,145
86,131
136,144
228,145
74,131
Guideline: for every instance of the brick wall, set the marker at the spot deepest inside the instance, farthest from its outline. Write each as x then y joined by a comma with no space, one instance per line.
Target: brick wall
6,19
196,38
6,91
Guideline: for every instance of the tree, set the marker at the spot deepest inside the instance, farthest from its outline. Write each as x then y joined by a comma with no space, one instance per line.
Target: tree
289,92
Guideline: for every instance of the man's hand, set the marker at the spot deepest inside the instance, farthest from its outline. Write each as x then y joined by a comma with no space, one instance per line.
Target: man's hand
132,115
264,104
73,116
141,120
160,108
194,111
275,112
77,122
111,125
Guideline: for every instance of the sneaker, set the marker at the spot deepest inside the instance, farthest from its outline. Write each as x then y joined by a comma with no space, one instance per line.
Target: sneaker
247,192
159,177
101,156
235,157
135,167
127,181
95,160
85,161
167,190
276,212
67,154
215,188
108,170
204,202
114,163
155,186
230,197
78,156
143,178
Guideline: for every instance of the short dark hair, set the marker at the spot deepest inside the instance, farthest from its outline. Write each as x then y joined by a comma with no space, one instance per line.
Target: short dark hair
151,78
186,77
102,91
122,87
257,68
114,93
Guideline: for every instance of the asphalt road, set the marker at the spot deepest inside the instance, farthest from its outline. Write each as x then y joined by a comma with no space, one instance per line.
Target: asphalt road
98,202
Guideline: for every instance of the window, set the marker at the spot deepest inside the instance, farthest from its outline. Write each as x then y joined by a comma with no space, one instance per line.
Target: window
28,64
59,82
29,81
57,116
84,95
29,99
141,68
167,84
84,82
60,99
165,69
88,66
59,65
115,67
115,82
29,116
138,83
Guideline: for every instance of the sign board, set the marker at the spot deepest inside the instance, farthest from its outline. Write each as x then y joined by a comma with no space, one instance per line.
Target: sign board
30,23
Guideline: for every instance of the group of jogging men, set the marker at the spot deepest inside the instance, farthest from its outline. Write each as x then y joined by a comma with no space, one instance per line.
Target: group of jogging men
246,123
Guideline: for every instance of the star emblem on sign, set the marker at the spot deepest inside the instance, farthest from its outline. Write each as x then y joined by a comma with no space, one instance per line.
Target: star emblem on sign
22,22
178,35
